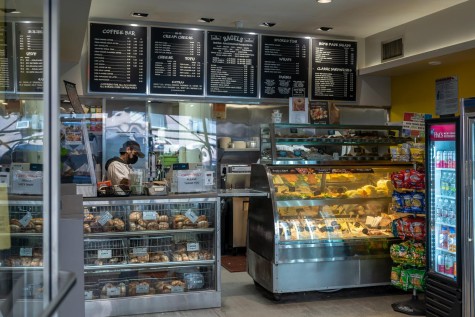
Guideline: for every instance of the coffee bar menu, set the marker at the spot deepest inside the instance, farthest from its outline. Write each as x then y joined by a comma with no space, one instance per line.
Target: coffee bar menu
6,57
333,70
284,67
177,61
232,64
117,58
29,46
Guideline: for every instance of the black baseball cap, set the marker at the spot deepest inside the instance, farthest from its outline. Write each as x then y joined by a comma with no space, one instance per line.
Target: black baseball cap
134,146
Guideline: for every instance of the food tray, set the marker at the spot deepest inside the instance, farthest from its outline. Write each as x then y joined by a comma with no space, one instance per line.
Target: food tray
104,252
104,219
149,249
147,220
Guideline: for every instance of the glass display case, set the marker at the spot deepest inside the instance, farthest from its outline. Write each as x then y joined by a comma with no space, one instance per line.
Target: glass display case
321,227
151,255
285,143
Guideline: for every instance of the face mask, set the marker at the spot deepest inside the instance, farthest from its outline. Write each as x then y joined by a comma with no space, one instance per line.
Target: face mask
133,160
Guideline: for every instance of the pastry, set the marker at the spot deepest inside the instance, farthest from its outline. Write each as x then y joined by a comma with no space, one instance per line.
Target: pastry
201,218
177,257
38,228
153,225
37,221
163,226
163,218
135,216
15,228
203,224
119,224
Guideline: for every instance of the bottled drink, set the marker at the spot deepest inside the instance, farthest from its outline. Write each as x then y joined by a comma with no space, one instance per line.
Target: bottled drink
453,212
445,211
443,236
439,210
454,160
450,159
438,159
444,159
453,185
440,264
449,264
442,183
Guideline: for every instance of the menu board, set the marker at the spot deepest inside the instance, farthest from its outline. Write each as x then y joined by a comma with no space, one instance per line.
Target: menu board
284,67
6,57
117,56
232,64
333,70
29,52
177,61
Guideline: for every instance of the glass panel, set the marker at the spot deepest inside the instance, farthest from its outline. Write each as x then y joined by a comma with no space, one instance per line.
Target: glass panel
21,160
443,210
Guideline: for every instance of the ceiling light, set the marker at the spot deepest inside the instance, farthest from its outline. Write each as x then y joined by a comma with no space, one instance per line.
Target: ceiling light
325,28
324,1
435,63
206,20
139,14
267,24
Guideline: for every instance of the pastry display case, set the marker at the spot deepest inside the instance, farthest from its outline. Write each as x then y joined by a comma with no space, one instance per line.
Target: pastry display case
320,227
286,143
146,255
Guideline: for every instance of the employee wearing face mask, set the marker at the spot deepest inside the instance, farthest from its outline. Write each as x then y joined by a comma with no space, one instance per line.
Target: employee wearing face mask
118,168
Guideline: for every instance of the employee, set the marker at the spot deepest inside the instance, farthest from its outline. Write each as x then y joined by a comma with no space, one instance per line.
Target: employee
118,168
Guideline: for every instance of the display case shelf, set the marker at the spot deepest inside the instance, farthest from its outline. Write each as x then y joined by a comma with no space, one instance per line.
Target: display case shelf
146,233
155,265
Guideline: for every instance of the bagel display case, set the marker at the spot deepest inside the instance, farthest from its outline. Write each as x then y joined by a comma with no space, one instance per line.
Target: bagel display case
320,227
146,255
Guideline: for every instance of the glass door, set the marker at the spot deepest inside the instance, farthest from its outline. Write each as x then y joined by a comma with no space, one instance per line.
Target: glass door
443,205
28,196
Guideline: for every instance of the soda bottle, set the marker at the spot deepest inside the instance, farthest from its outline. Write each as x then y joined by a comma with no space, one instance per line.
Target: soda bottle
438,210
442,183
450,159
444,159
449,264
453,215
454,159
440,264
438,159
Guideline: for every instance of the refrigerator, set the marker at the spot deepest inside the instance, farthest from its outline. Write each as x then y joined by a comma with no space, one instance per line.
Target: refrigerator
467,194
443,246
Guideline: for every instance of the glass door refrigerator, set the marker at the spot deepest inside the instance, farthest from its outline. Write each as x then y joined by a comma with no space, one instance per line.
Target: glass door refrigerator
443,172
467,194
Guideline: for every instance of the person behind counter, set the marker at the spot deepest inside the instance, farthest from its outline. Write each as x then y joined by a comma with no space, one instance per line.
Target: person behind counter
118,168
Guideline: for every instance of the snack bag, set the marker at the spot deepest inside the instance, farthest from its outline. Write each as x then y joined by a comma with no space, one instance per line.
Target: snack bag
405,280
396,276
417,279
398,203
418,202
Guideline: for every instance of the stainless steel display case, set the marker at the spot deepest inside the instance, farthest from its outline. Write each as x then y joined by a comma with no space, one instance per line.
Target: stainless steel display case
135,269
321,227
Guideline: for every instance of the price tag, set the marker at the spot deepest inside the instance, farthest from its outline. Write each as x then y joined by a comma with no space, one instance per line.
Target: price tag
26,251
177,289
26,219
88,295
191,215
142,289
104,254
113,291
193,246
149,215
209,178
139,251
105,217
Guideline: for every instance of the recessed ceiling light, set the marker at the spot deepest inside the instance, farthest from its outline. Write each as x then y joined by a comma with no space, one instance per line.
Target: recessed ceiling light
206,20
267,24
139,14
134,24
435,63
325,28
324,1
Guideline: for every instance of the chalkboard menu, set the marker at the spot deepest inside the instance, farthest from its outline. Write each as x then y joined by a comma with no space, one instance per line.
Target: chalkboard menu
177,61
232,64
29,52
333,70
117,56
6,57
284,67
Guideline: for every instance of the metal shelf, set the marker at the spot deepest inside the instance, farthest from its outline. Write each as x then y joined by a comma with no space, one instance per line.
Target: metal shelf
297,202
155,265
146,233
20,268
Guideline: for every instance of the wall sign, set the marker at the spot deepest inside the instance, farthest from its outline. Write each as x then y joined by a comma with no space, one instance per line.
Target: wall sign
177,61
6,57
284,67
232,64
446,95
333,70
117,56
29,51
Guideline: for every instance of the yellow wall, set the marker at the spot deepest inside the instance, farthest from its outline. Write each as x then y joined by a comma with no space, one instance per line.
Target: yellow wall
416,92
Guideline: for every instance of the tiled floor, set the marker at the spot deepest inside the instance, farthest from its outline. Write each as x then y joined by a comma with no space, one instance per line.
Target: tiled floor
240,298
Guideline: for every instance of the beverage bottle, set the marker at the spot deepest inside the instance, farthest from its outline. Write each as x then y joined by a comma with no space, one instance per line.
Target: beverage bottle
455,267
445,211
440,264
449,264
442,183
453,188
444,159
450,159
438,159
454,159
453,216
438,210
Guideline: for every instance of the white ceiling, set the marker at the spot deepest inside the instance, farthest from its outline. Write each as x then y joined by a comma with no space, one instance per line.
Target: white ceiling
348,18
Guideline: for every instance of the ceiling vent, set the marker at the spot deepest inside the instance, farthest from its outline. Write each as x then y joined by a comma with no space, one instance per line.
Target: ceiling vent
392,49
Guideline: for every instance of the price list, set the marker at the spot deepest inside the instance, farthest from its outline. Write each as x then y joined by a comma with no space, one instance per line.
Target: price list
177,61
232,64
334,70
117,58
29,45
284,67
6,57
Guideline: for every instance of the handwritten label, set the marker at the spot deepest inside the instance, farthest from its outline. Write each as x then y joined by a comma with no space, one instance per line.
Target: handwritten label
104,254
193,246
191,215
113,291
149,215
26,219
177,289
139,251
26,251
142,289
88,295
105,217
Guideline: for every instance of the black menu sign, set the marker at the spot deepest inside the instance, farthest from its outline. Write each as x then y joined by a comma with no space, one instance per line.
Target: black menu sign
29,46
117,56
284,67
232,64
177,60
333,70
6,57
